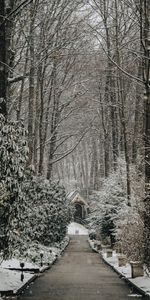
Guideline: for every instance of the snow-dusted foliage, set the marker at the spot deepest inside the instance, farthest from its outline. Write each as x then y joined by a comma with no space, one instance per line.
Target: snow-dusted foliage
32,209
44,215
110,201
113,219
130,234
13,157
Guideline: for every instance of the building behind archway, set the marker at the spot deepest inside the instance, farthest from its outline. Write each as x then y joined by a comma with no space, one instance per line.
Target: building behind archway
80,204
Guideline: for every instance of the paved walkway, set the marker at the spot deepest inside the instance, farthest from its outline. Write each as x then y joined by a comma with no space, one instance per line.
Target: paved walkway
80,274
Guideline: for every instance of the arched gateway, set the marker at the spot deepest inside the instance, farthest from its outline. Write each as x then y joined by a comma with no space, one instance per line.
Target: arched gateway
81,206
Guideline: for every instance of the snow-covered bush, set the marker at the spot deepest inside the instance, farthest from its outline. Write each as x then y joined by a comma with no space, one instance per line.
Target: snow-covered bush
130,234
44,215
13,157
113,218
31,208
111,199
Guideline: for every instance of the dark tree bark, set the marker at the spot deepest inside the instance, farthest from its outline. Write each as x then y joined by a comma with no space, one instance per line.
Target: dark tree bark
53,129
3,77
137,144
19,106
146,36
110,92
31,84
145,42
124,133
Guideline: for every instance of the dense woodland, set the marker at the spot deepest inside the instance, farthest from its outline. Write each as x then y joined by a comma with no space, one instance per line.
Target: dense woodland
75,110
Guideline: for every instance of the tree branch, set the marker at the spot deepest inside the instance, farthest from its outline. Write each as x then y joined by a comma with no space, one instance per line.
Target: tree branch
72,149
24,3
17,78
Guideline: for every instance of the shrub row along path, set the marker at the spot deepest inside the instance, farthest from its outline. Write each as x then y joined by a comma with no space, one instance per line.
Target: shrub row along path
79,274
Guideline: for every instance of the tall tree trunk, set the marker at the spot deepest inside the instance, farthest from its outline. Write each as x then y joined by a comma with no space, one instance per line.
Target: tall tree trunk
3,62
125,135
41,138
92,168
43,129
138,120
110,96
31,83
19,106
147,88
9,5
106,156
121,96
37,119
53,126
114,123
86,162
82,164
74,168
105,126
145,40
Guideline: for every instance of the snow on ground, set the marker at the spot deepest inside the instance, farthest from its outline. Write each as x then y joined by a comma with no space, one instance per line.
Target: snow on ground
15,264
77,229
113,261
32,258
11,280
142,282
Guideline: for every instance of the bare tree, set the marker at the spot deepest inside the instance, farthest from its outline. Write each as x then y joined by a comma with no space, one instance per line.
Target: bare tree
3,62
144,10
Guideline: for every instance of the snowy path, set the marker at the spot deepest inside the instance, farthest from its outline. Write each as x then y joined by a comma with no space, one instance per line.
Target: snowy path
79,275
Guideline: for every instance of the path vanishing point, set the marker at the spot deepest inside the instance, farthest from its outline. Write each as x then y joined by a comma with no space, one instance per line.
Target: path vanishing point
80,274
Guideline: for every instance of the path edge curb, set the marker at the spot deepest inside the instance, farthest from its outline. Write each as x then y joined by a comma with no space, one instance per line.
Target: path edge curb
21,289
127,280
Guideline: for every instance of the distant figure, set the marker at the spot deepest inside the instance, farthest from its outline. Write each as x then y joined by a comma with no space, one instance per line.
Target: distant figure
77,232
